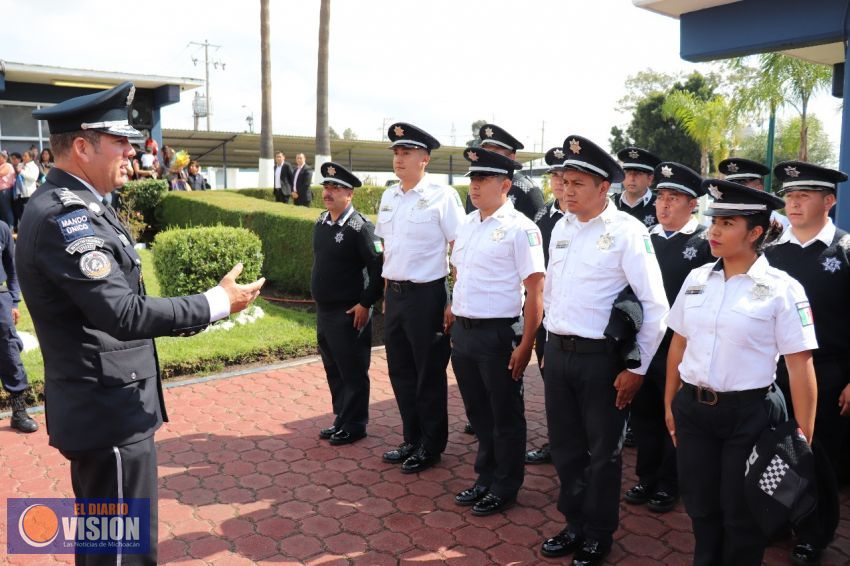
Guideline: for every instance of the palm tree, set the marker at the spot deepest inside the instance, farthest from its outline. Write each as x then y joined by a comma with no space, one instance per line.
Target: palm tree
323,142
266,144
710,123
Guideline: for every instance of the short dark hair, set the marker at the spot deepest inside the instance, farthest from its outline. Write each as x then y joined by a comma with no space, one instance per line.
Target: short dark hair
61,143
16,154
770,229
195,163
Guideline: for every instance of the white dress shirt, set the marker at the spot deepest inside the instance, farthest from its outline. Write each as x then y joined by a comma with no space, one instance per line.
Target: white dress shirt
493,258
590,263
416,227
737,329
295,179
826,235
277,169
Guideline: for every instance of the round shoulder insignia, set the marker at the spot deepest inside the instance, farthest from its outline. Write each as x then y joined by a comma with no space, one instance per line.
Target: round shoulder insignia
95,265
94,207
844,242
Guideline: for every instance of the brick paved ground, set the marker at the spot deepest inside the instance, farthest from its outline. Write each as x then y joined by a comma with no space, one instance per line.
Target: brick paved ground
244,479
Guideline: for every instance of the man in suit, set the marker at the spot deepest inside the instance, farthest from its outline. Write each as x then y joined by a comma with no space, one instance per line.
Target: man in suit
82,282
282,178
301,178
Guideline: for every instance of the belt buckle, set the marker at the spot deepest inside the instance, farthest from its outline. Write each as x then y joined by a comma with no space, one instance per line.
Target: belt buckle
712,398
395,286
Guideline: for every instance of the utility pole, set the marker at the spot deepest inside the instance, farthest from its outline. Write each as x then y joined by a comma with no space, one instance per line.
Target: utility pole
206,45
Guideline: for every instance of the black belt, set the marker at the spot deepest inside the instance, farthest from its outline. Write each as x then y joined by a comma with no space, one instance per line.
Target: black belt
581,345
402,286
708,396
485,322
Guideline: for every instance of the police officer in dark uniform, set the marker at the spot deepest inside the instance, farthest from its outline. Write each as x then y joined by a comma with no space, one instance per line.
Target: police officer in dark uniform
815,253
680,246
346,281
546,218
417,219
750,174
12,371
82,282
524,194
637,199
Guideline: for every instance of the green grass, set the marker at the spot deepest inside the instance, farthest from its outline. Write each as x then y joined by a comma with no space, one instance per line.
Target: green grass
282,333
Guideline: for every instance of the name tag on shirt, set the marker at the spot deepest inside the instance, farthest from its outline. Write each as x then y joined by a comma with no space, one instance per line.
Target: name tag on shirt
386,208
561,244
695,290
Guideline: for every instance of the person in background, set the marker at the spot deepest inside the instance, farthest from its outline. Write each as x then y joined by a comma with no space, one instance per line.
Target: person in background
8,177
282,178
29,178
45,163
301,177
196,181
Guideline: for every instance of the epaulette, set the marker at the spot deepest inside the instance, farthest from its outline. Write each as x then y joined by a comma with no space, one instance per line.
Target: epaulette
523,183
541,213
322,217
69,199
356,222
844,242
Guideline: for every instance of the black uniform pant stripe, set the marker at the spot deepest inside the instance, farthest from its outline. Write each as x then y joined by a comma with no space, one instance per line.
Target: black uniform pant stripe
417,356
494,404
346,353
713,445
586,433
122,472
656,456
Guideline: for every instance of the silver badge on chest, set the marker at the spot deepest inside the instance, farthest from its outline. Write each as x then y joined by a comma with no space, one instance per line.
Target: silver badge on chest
760,291
497,235
605,241
422,204
689,253
338,238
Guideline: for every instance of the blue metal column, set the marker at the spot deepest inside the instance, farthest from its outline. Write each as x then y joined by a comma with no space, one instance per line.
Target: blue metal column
156,128
842,209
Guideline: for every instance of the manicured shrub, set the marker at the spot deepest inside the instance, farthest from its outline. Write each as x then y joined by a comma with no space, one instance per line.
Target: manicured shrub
192,260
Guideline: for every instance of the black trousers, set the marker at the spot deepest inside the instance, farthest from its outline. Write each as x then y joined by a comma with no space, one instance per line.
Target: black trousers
540,346
713,445
123,472
12,372
346,353
493,402
656,456
280,197
417,356
586,433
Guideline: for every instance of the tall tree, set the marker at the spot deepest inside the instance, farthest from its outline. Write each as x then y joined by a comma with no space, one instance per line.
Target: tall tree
323,142
710,123
266,142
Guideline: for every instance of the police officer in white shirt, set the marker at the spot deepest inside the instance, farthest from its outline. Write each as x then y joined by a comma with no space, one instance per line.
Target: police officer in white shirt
418,219
732,319
498,251
595,252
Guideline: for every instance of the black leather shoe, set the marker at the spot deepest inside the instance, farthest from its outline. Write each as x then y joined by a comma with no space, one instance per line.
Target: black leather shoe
472,495
805,554
492,503
661,502
639,494
326,433
561,544
419,461
467,429
400,454
592,553
342,437
629,441
539,456
20,419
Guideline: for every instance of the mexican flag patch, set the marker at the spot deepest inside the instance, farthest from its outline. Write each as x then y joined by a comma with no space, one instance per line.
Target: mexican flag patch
647,243
805,312
533,237
379,247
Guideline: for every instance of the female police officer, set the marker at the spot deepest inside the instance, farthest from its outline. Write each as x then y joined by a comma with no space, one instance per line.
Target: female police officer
732,319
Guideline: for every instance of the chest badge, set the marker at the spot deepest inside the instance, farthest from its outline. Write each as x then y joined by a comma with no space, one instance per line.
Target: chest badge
689,253
831,264
649,220
422,204
605,241
760,291
497,235
561,244
338,238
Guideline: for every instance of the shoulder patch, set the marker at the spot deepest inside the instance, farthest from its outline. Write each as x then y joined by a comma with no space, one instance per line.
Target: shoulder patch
75,225
84,244
647,244
844,242
540,214
69,199
95,265
356,222
805,312
523,183
322,217
533,237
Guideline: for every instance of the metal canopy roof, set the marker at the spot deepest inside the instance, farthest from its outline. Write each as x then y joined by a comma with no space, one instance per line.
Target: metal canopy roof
46,74
243,150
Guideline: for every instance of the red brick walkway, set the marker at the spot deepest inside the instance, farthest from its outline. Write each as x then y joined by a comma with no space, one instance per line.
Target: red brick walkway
244,479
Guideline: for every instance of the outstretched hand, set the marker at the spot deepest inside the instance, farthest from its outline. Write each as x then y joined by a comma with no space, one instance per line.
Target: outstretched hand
240,295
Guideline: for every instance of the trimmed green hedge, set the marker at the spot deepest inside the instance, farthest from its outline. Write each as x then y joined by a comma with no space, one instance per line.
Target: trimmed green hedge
286,231
192,260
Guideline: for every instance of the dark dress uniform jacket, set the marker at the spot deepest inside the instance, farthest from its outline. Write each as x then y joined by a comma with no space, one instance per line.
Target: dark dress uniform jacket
102,383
